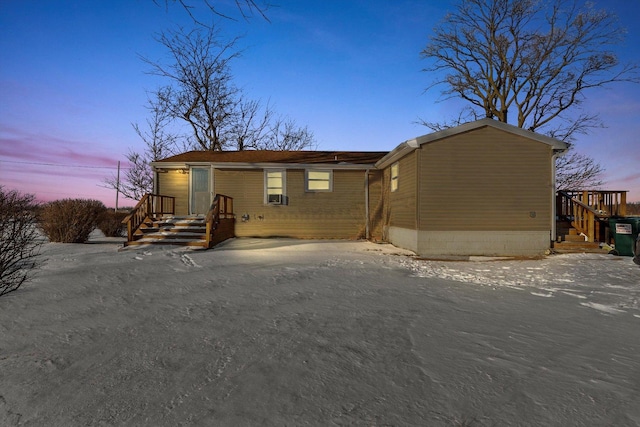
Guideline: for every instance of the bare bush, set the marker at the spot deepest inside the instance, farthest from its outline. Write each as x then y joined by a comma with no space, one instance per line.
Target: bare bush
19,242
110,223
70,220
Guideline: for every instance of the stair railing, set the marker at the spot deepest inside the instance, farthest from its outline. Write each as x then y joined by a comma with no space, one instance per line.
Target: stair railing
613,203
149,206
586,210
221,209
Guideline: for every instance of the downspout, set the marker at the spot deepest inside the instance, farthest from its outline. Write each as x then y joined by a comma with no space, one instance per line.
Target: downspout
418,179
366,204
156,182
556,155
212,184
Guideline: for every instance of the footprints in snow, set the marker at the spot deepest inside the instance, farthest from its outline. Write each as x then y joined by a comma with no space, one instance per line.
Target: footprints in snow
184,258
139,255
188,261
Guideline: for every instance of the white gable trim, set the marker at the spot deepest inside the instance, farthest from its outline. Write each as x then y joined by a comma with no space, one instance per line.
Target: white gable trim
410,145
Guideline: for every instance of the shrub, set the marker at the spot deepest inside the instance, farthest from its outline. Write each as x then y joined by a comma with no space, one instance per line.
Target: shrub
110,223
70,220
19,242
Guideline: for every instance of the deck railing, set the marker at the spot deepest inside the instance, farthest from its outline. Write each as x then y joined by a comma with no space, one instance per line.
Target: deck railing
609,203
220,220
150,206
589,210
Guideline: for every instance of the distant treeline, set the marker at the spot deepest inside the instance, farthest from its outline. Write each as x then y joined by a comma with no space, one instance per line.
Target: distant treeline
633,208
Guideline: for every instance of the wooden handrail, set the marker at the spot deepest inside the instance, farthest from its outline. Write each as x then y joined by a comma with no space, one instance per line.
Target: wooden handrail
606,202
149,206
221,208
587,209
576,201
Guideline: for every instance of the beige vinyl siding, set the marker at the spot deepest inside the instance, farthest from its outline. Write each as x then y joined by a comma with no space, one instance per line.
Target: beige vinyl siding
486,179
247,189
376,205
402,211
176,184
336,214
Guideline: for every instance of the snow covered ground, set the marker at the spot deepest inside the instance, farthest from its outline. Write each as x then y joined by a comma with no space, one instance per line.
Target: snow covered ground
603,282
294,332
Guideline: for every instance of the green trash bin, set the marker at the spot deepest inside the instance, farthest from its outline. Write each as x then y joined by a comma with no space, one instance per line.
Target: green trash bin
625,233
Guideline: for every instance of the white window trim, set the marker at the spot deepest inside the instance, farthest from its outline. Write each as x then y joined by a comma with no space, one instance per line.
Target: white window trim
306,180
284,185
395,179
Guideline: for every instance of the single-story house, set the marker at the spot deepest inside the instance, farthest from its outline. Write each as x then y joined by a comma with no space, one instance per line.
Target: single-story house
482,188
303,194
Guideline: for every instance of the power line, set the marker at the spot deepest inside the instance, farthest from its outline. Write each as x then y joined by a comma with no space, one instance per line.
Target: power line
62,165
66,194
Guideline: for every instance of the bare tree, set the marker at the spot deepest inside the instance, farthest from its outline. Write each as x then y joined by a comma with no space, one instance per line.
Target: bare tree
528,62
465,115
19,239
257,128
202,94
251,125
285,134
246,8
201,91
577,171
159,143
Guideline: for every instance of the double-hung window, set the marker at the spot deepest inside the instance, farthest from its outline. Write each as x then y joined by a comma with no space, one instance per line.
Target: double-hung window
275,191
318,180
395,173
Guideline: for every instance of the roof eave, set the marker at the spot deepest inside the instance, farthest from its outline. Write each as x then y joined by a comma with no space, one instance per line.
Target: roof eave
397,153
263,165
408,146
466,127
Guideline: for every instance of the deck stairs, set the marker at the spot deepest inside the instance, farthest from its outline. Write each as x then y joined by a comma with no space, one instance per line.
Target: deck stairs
569,240
172,230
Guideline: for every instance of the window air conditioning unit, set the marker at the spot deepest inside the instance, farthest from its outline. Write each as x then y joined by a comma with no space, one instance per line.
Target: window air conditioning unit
275,199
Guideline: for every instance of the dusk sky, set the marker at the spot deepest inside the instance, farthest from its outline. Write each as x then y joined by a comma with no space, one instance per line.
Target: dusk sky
72,82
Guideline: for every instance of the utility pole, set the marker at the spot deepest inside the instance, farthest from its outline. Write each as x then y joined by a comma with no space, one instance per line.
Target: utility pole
117,186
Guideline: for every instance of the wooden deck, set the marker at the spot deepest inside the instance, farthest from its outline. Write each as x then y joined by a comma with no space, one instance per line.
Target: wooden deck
587,213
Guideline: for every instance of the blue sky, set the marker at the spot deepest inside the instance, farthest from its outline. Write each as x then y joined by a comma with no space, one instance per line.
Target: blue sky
72,82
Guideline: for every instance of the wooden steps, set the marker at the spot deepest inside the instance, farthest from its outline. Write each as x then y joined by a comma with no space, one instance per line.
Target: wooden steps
172,230
570,241
153,222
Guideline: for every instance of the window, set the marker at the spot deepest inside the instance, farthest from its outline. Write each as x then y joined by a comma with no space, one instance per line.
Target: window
394,176
318,180
274,187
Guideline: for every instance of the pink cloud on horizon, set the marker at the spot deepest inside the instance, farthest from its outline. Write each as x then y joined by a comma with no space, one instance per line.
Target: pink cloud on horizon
54,168
31,147
51,186
625,180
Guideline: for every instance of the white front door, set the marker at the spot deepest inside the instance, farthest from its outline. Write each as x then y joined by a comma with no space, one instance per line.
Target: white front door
200,190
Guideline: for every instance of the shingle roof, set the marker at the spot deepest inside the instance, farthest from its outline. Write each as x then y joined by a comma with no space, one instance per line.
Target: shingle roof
267,156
